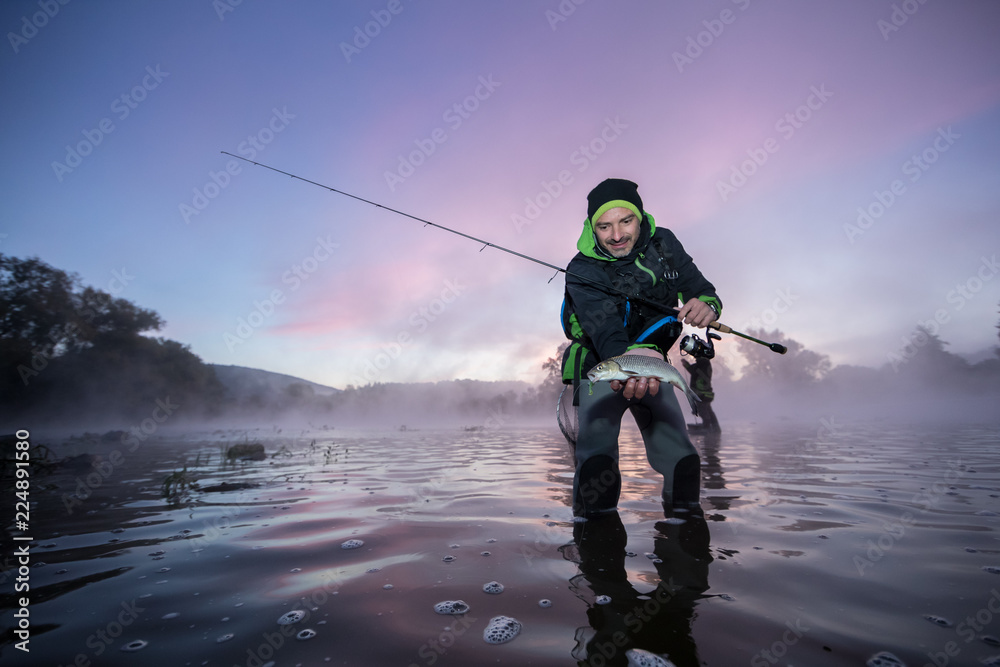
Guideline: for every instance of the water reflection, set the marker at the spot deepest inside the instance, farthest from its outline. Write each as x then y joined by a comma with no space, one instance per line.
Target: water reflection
620,617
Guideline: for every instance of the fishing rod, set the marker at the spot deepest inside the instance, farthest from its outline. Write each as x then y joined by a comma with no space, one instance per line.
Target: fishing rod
780,349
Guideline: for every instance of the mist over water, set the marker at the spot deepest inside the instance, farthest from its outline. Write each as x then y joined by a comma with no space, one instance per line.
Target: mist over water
822,543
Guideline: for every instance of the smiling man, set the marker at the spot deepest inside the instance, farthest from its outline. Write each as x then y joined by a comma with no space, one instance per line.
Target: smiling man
622,292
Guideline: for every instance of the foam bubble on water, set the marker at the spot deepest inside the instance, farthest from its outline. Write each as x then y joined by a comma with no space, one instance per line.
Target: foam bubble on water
224,638
135,645
352,544
291,617
992,569
991,640
448,559
451,607
501,629
603,599
884,659
544,603
638,657
485,553
493,588
308,633
387,587
167,617
938,620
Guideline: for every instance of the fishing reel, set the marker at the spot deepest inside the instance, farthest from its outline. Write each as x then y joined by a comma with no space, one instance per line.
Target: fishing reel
696,347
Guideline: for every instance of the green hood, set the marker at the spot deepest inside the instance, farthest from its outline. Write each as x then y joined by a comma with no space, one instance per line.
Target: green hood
588,240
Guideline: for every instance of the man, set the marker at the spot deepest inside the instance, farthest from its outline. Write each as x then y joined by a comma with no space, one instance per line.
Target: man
621,289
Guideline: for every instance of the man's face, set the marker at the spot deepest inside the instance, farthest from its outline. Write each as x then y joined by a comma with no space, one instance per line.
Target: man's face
617,231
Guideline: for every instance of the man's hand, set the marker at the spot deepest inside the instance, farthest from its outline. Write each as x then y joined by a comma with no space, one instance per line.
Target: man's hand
696,313
637,387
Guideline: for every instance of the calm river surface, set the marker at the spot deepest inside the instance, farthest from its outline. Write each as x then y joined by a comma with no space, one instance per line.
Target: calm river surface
820,544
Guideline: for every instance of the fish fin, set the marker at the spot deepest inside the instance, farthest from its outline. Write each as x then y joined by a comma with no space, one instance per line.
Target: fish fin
630,373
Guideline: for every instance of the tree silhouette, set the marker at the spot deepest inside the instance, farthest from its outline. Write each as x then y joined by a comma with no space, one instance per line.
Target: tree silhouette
795,368
72,350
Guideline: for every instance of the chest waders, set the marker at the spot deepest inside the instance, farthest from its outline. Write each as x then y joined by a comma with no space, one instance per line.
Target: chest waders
591,422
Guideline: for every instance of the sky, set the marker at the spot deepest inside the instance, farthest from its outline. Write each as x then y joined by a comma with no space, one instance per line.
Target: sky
833,168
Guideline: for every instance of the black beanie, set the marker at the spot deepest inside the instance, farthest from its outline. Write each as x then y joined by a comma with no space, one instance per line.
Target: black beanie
612,193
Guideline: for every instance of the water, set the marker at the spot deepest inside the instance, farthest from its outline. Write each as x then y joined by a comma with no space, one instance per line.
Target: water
821,544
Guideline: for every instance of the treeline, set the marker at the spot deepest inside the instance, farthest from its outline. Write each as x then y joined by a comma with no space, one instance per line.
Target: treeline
73,354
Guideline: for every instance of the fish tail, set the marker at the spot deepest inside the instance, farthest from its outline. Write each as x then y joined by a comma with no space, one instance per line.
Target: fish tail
693,400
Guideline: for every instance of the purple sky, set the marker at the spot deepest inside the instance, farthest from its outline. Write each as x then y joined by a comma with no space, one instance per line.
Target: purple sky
115,116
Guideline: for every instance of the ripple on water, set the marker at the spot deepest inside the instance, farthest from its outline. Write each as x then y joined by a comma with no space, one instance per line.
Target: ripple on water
135,645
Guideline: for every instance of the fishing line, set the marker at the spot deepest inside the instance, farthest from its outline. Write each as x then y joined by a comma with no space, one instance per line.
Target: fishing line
608,289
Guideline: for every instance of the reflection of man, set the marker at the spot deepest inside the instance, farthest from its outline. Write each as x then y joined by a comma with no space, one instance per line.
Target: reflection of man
701,384
658,621
623,254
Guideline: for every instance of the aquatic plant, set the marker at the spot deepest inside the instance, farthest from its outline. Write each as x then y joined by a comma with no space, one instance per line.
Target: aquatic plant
178,485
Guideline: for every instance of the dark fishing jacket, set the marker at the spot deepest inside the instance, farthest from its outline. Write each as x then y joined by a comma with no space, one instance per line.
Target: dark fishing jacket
601,312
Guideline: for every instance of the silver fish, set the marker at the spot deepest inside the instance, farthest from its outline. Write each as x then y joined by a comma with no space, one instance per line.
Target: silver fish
626,366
